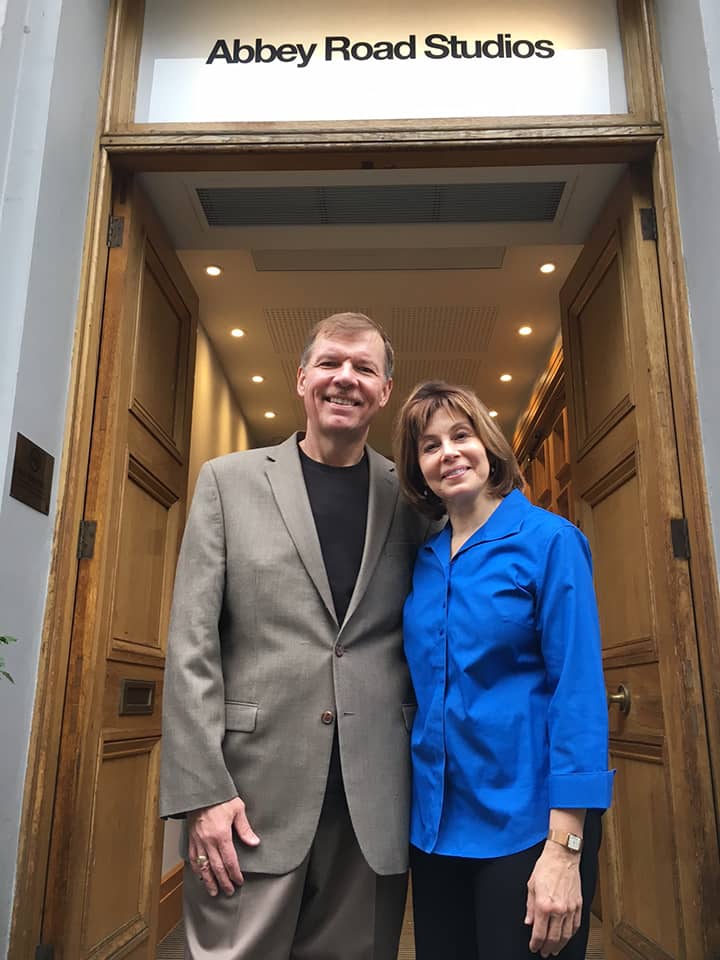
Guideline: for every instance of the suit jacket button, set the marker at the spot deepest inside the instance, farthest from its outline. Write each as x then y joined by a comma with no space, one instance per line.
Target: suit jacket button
328,716
339,649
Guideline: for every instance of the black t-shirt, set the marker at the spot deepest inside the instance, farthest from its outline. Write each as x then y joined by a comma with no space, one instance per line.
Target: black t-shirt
339,502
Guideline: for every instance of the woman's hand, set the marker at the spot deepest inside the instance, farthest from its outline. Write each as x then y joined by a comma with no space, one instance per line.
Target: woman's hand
554,903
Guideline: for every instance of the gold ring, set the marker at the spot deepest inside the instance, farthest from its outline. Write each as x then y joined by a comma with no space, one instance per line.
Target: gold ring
200,860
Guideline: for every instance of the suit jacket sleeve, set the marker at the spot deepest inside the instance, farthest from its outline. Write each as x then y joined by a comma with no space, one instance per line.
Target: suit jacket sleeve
193,772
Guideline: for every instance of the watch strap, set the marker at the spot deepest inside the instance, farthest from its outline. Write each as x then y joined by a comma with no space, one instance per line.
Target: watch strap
569,840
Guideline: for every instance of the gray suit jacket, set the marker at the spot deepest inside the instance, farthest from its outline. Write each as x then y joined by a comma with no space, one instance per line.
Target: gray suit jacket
251,665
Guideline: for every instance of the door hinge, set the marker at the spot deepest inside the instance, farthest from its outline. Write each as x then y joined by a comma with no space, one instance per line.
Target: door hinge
648,223
115,231
44,951
86,539
680,538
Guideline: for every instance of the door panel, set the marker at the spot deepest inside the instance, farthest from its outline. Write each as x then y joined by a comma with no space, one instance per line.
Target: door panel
145,559
160,359
122,876
105,857
619,551
598,320
647,864
660,867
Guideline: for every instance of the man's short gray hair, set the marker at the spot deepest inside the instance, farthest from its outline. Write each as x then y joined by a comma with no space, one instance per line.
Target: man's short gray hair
348,323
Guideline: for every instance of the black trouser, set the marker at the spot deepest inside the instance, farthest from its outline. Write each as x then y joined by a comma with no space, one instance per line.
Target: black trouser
475,909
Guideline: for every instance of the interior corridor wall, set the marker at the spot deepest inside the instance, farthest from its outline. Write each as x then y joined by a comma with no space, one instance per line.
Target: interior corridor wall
218,427
690,53
51,54
218,424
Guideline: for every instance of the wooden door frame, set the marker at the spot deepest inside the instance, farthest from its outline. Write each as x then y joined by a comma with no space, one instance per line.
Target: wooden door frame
123,146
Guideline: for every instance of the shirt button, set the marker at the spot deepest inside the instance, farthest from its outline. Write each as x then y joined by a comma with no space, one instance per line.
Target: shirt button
327,717
339,649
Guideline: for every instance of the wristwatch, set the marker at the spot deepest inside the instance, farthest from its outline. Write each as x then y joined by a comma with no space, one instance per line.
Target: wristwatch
570,840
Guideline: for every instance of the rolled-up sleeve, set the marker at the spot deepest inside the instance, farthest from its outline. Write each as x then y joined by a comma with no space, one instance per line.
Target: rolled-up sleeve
567,621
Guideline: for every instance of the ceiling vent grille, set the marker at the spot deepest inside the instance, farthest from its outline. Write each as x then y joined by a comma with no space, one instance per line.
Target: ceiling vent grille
443,329
381,258
415,203
288,326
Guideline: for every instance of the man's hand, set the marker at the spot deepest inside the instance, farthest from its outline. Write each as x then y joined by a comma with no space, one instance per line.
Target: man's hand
211,836
554,903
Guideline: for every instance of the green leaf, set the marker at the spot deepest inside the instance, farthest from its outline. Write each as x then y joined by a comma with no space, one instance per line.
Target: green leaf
3,672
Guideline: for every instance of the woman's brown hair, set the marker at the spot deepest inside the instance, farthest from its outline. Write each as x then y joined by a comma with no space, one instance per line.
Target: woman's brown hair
424,401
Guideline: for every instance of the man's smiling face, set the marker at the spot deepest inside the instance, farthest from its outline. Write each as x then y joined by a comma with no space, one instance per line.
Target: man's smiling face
343,384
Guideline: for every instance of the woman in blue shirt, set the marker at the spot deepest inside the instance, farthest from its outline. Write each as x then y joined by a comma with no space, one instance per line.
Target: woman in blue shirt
509,743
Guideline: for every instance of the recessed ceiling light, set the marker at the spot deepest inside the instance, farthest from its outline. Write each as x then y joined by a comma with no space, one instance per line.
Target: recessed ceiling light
506,377
212,270
525,331
269,415
492,413
237,332
257,378
547,268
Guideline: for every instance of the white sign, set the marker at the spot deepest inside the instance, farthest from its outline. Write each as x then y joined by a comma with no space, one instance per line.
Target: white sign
223,62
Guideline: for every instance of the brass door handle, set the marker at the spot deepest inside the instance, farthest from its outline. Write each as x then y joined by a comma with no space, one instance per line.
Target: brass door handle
621,698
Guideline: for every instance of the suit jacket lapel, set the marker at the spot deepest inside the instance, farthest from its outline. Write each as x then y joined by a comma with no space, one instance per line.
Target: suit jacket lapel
285,476
383,494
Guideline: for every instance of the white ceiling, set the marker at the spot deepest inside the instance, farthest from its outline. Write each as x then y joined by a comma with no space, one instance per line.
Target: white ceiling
458,324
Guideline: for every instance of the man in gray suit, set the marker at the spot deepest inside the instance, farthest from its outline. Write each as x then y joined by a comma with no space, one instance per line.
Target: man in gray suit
287,702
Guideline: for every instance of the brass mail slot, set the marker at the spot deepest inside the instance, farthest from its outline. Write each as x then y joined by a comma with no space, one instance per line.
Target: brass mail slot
137,697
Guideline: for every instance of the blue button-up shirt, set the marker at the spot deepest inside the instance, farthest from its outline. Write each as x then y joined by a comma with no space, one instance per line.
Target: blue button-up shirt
504,650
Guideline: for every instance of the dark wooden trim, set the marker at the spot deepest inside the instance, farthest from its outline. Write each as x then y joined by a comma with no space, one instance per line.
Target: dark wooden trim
696,507
636,39
306,131
43,752
548,394
416,147
638,51
125,26
627,937
171,900
632,652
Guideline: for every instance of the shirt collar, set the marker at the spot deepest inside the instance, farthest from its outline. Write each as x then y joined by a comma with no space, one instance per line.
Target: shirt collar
505,521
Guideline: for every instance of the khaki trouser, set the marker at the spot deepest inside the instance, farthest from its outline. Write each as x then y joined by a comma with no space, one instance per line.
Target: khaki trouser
332,907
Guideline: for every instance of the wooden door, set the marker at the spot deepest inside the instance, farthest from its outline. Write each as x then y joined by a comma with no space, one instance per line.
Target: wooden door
105,855
660,890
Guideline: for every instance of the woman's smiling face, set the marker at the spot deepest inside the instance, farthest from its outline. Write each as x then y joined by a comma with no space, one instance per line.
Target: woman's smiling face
452,458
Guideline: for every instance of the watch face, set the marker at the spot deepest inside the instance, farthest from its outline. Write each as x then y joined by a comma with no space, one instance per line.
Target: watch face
574,842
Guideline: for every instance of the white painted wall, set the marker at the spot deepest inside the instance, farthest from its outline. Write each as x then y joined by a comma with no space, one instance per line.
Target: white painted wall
711,21
690,50
3,12
51,54
27,51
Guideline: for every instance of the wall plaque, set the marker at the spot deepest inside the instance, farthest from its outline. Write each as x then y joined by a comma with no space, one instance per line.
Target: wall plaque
32,475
